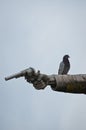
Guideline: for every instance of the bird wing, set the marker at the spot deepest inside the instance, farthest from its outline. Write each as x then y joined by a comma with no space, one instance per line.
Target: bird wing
61,68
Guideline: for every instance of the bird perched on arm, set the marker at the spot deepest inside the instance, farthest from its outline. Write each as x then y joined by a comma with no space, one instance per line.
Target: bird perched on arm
64,65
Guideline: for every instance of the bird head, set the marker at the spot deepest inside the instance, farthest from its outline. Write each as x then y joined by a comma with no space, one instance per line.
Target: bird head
66,57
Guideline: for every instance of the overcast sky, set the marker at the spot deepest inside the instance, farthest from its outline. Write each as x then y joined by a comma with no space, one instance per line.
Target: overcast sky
37,33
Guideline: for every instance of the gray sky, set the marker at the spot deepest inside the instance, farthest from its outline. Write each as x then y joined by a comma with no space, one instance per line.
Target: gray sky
37,34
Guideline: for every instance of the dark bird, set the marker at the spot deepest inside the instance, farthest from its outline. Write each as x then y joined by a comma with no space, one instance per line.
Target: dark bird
64,65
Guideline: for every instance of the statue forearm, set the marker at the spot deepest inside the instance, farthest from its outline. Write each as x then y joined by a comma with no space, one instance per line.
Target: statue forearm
62,83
